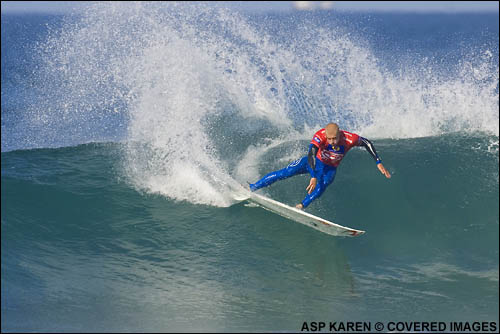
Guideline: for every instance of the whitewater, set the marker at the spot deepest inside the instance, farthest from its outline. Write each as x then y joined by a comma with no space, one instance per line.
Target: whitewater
129,130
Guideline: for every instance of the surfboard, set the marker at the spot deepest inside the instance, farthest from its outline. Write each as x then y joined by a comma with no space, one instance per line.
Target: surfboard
302,217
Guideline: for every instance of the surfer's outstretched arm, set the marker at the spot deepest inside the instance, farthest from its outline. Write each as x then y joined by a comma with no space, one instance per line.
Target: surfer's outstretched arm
371,149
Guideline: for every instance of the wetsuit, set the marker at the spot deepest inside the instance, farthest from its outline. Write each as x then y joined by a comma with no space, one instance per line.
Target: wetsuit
321,162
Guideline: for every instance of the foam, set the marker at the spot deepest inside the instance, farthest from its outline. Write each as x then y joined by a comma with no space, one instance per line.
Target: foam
171,68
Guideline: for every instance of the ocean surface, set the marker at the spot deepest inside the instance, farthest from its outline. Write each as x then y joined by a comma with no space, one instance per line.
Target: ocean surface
128,130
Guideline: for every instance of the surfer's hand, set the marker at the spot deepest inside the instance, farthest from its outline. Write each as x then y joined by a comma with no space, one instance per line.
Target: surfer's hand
312,185
384,171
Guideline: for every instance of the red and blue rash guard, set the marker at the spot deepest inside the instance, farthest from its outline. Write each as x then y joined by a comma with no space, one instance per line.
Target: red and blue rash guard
333,155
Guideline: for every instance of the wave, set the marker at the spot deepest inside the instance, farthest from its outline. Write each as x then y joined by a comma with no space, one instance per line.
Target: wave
200,94
449,171
74,230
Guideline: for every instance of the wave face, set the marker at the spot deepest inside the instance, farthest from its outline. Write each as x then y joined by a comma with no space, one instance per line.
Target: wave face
128,131
76,234
190,88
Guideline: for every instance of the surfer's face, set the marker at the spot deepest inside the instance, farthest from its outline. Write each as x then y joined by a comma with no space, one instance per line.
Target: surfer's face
332,139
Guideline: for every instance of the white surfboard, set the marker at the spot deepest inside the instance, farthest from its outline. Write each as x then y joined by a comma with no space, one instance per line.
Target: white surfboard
302,217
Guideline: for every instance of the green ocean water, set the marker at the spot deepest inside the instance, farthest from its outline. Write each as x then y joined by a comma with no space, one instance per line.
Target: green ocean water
128,129
83,250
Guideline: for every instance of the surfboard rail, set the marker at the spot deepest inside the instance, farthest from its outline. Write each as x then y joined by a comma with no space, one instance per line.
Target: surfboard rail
303,217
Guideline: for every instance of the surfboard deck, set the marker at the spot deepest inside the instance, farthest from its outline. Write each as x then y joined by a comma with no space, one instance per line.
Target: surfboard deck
302,217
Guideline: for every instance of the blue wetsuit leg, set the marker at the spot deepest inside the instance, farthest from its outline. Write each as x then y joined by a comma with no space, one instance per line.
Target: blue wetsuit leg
297,167
324,180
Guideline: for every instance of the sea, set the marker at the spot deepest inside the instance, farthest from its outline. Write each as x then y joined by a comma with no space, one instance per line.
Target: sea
129,129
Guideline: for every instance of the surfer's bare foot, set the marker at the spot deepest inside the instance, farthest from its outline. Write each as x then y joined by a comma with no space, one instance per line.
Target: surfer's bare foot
300,206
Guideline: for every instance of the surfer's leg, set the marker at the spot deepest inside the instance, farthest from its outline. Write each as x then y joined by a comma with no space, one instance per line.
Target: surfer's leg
297,167
326,179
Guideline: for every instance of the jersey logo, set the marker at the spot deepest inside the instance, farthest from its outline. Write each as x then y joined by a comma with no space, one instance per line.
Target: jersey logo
328,156
316,139
337,149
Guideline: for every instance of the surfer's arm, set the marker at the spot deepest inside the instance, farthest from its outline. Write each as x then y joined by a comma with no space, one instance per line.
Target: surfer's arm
371,149
311,159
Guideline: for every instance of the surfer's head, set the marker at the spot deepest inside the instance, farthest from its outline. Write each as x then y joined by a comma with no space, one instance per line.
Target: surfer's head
332,133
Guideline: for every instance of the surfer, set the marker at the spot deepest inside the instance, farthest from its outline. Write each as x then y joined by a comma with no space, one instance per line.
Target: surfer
326,150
